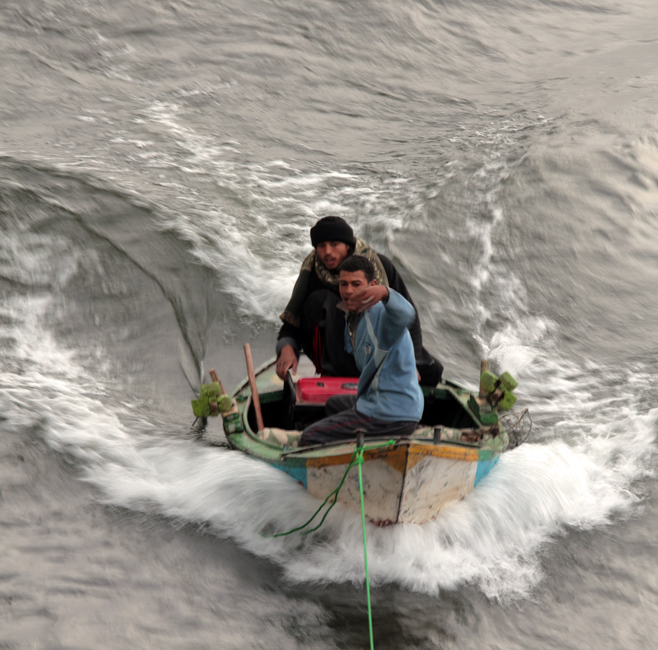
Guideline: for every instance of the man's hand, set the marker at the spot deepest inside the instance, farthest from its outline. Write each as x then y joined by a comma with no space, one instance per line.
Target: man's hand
370,296
287,359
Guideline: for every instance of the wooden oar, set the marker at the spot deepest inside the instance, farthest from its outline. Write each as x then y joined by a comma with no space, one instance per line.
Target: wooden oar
252,385
484,366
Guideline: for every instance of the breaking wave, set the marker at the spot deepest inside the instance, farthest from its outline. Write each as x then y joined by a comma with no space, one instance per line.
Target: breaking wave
491,539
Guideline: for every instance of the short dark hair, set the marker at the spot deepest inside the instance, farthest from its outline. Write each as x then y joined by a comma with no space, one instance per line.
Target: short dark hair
356,263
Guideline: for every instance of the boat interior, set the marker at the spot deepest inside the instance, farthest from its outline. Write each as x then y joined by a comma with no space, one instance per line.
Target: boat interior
301,402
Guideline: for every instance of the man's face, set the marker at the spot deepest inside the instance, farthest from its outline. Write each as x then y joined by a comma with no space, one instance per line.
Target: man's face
332,253
350,286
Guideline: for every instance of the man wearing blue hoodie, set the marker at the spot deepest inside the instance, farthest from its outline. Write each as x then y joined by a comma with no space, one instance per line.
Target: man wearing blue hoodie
389,401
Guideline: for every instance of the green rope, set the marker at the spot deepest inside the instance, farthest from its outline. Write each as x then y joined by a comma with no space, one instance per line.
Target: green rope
333,494
356,459
315,514
359,462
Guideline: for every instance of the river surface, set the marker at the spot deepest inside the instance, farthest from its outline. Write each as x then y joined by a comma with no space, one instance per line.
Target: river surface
161,163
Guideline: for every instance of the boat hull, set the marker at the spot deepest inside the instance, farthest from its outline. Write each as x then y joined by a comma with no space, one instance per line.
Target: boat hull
408,480
409,483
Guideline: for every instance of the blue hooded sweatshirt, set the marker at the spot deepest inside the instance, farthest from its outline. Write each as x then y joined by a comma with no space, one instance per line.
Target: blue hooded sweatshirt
384,354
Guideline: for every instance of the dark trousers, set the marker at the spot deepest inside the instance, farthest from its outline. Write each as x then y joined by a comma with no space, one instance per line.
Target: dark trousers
344,421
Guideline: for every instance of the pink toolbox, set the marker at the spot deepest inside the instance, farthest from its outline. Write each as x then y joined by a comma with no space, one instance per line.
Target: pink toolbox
316,390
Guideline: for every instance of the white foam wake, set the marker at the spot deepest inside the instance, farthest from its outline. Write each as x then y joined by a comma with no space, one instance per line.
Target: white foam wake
590,445
491,539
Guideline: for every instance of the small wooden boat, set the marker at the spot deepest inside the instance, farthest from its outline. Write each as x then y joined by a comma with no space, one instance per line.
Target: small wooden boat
406,480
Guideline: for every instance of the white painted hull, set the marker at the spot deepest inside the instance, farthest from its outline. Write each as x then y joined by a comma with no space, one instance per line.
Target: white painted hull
410,483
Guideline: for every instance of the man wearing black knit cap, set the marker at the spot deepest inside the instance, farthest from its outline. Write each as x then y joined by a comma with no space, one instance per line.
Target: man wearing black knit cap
312,321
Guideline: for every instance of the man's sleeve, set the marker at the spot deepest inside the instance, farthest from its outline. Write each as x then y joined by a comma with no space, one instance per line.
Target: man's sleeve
396,282
398,315
289,335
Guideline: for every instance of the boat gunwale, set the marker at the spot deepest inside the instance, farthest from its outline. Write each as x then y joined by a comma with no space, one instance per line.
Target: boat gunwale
346,447
342,447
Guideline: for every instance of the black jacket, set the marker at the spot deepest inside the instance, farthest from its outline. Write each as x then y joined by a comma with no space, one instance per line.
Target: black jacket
322,332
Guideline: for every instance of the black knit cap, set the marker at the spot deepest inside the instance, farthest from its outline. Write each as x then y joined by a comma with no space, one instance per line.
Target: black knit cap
332,229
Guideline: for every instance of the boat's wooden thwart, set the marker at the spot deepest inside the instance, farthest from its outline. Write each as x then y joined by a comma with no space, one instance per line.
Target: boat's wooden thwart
408,480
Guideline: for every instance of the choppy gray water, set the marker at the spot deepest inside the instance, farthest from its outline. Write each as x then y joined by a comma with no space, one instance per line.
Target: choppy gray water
160,165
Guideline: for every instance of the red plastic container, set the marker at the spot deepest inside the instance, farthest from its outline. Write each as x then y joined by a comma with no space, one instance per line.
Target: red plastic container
316,390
